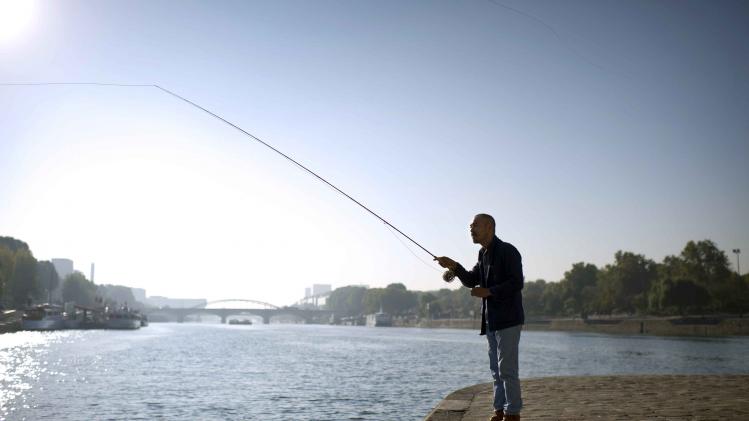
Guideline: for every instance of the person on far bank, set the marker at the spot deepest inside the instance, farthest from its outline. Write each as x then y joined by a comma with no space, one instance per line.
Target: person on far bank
497,279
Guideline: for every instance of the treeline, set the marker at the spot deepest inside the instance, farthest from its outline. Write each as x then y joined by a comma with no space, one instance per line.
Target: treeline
395,299
22,277
25,280
698,280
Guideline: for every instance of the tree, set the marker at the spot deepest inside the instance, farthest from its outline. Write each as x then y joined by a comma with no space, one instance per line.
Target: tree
533,297
685,295
78,289
396,299
13,244
117,295
426,304
625,284
706,265
23,286
579,282
373,300
347,301
7,261
47,278
553,299
733,295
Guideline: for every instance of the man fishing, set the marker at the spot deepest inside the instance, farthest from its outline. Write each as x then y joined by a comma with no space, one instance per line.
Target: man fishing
497,279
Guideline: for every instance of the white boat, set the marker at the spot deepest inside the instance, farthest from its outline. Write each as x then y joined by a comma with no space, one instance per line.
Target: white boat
43,317
379,319
123,320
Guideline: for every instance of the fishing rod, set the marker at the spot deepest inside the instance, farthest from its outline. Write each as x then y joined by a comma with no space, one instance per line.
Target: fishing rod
245,132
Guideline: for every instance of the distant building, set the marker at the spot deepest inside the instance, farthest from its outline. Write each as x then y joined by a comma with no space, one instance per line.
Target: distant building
320,289
64,267
316,296
139,294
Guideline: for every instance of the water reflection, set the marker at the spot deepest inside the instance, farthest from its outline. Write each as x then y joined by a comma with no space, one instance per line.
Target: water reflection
195,371
22,362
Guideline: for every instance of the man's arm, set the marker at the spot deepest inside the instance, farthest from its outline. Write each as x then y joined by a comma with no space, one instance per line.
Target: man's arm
515,282
468,278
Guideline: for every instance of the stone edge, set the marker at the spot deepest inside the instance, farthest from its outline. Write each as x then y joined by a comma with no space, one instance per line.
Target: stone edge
456,404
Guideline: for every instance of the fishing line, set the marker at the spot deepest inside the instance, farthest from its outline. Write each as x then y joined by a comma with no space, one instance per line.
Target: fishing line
553,31
388,224
411,251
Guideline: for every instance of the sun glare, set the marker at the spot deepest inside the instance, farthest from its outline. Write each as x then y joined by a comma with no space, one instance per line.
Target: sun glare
15,17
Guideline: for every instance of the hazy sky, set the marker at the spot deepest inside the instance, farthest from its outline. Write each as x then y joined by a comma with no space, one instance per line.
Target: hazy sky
584,127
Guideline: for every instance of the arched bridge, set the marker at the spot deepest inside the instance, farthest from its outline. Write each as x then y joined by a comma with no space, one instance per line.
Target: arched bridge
256,308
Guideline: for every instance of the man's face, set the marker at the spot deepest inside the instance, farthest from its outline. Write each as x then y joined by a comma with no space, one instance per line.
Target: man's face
480,230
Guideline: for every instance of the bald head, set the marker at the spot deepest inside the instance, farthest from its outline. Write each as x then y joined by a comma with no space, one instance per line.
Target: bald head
486,218
482,229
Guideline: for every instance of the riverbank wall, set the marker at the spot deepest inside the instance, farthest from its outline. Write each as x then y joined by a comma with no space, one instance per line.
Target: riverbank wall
674,326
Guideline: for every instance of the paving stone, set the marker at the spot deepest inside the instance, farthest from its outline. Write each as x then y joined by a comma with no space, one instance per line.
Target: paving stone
612,398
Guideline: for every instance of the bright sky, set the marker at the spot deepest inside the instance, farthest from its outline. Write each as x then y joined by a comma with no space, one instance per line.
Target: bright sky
584,127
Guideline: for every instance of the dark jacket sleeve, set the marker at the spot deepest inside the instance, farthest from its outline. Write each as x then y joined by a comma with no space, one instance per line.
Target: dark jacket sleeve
514,269
468,278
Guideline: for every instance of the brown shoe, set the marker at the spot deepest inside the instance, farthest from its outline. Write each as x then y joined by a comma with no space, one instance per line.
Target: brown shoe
498,416
509,417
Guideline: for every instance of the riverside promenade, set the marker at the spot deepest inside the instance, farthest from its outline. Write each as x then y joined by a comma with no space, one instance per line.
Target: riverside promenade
609,398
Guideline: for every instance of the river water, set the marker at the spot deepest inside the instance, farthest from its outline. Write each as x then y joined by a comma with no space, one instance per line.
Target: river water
302,372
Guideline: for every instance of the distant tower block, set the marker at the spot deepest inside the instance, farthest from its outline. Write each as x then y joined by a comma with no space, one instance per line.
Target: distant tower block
64,267
92,273
319,289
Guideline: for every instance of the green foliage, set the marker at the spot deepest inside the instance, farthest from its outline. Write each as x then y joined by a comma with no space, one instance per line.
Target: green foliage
373,300
685,296
347,301
579,288
78,289
625,283
533,297
117,295
13,244
19,283
428,305
553,299
47,278
446,303
7,260
396,299
697,280
704,263
23,286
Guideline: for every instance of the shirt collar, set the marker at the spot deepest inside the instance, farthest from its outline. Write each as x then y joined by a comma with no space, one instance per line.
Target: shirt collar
491,247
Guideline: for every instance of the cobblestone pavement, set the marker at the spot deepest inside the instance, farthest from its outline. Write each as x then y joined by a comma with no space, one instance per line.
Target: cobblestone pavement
608,398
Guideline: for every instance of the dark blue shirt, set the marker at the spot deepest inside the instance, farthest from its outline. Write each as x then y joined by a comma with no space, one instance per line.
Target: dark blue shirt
500,269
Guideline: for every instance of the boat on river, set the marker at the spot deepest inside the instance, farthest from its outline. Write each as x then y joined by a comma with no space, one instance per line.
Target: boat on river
240,322
43,317
123,319
379,319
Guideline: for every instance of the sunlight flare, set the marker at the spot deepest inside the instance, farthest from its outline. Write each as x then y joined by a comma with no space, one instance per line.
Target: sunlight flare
15,17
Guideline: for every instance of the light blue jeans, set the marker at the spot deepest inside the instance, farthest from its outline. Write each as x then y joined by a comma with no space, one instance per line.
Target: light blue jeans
503,361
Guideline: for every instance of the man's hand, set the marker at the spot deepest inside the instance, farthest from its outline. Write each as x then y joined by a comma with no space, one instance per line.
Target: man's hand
446,262
481,292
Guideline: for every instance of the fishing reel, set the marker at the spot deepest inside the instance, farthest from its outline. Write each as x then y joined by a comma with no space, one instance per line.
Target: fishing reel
448,276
